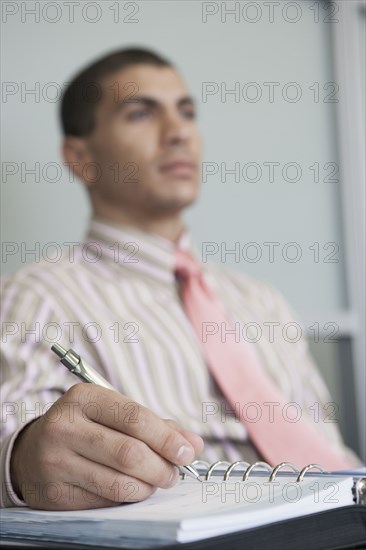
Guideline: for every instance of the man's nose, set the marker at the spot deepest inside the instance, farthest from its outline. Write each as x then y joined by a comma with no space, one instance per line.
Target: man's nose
174,129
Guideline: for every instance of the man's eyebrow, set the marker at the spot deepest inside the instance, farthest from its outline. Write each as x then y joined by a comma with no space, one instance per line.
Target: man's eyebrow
151,102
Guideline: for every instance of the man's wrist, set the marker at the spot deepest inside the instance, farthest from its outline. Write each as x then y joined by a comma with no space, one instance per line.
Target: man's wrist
17,460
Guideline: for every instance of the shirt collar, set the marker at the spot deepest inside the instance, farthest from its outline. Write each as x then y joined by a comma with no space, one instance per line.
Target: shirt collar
136,249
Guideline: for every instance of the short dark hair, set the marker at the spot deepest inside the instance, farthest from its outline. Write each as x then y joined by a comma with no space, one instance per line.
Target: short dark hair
80,98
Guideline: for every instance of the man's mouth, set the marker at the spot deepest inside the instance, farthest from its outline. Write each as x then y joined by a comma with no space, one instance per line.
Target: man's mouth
179,168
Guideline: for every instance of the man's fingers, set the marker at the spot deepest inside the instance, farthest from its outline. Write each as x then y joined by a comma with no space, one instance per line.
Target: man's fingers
104,482
115,411
124,454
57,495
195,440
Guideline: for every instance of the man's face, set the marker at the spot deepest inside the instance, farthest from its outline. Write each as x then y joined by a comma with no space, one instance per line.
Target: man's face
146,143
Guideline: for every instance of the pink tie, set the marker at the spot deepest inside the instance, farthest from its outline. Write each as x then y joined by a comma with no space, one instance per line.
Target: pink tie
247,388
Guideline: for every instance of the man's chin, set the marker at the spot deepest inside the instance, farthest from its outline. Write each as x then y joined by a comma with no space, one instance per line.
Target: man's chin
174,204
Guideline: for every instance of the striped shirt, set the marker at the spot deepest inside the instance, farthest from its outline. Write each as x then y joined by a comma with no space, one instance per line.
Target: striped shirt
114,299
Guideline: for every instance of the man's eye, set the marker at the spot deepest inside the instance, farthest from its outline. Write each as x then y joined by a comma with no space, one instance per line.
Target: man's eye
136,115
189,114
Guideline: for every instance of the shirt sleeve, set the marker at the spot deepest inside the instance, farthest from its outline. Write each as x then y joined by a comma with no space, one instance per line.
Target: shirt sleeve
288,360
32,378
8,496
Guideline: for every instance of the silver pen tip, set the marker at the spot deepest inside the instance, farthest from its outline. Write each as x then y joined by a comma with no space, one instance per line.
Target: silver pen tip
59,350
190,470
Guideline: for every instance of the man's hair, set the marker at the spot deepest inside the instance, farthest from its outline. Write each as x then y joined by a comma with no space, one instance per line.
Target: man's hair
82,95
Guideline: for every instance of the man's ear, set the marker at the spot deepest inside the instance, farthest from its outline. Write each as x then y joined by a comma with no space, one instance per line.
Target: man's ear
77,157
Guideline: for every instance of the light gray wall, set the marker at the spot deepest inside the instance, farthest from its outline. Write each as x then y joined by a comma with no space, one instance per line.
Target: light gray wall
206,50
303,132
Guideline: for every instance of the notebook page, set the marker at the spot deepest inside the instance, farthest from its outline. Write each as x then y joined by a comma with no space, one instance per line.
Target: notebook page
215,506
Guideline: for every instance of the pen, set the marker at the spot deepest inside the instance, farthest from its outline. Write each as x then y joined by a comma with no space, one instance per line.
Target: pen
86,373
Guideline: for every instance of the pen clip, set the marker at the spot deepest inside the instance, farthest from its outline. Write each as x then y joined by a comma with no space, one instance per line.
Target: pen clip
75,364
71,360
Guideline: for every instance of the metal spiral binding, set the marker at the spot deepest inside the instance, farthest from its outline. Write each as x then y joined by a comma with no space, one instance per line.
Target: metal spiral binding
307,468
258,464
233,466
195,464
214,466
250,468
279,467
360,491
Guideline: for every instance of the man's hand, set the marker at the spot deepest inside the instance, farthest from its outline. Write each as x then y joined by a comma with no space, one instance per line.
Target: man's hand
95,447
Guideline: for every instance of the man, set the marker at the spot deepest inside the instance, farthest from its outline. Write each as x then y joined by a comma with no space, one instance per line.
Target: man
120,300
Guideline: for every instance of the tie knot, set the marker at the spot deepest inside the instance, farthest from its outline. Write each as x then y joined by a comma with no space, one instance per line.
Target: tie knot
185,264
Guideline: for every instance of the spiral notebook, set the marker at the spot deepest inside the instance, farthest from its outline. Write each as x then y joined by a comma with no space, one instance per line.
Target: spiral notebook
230,498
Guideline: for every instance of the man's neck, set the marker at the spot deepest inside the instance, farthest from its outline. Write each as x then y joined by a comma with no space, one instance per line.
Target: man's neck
168,227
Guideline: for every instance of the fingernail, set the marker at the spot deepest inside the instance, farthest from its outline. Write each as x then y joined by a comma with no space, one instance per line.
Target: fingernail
185,454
